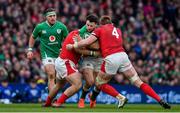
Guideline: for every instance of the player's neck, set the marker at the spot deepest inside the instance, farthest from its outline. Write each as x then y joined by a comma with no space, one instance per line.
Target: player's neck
50,23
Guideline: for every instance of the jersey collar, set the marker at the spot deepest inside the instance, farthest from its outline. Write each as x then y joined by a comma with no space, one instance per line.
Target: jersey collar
49,24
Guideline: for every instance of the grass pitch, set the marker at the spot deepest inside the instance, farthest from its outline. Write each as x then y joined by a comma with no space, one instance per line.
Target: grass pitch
99,108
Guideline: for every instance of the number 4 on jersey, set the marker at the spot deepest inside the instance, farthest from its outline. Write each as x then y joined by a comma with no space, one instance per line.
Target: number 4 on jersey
115,33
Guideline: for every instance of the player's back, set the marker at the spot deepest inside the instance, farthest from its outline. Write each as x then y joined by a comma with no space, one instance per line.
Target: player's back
110,39
69,54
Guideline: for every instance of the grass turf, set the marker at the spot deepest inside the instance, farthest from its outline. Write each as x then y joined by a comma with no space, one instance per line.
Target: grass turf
98,108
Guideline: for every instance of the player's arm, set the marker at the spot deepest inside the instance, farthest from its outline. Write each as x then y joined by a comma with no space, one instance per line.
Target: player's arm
86,52
65,32
94,46
82,43
30,47
32,41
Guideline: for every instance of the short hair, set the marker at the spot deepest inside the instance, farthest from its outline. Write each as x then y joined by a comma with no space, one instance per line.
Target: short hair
105,20
49,10
92,18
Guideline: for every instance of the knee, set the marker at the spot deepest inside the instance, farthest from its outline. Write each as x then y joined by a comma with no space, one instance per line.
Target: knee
78,85
89,78
136,80
138,83
51,74
98,86
100,81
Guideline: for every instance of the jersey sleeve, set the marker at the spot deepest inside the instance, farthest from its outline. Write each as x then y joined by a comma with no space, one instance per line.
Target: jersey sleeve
36,31
82,30
96,32
65,32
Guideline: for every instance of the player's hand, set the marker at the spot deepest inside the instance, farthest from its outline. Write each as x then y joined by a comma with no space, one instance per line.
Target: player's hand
69,46
77,38
97,54
29,54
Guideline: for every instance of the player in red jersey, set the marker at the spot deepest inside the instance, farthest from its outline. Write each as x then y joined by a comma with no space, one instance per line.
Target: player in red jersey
66,69
65,66
115,59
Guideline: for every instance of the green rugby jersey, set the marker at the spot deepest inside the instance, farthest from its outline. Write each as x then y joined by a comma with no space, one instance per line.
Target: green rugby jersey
83,32
51,38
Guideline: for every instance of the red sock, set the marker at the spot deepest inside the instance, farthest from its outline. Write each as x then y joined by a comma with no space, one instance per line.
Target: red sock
149,91
109,90
48,100
62,98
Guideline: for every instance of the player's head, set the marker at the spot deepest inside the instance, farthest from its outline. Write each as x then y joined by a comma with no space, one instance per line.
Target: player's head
50,15
91,22
105,20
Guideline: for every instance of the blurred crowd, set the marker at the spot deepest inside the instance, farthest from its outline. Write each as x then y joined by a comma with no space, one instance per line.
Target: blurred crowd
151,32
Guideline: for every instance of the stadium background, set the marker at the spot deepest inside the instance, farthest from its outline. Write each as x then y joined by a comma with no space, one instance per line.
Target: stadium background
151,30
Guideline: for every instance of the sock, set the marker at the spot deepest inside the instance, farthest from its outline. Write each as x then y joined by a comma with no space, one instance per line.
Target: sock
109,90
149,91
62,98
120,97
48,100
84,93
95,93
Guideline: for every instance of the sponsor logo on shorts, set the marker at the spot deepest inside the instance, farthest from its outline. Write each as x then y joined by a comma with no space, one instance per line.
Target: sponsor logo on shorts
49,60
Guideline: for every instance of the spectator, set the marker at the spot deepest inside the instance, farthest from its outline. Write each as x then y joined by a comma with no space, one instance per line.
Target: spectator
150,28
5,92
32,92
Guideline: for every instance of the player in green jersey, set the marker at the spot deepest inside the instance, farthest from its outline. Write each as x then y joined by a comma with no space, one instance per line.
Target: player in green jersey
90,65
51,33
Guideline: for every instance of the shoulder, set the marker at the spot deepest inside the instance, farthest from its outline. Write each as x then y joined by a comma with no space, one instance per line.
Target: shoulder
40,25
60,24
74,32
98,29
83,30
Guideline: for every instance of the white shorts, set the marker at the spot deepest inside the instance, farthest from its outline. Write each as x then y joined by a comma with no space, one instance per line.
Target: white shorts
91,63
117,62
48,60
64,68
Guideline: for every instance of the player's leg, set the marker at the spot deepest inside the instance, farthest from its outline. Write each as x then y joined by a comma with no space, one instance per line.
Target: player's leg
87,72
109,68
89,81
129,71
50,71
134,78
89,78
71,74
60,70
95,91
53,92
75,80
101,83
